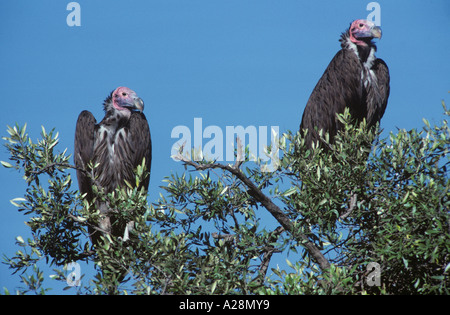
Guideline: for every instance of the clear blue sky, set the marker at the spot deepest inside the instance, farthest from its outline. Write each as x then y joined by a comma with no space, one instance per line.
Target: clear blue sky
229,62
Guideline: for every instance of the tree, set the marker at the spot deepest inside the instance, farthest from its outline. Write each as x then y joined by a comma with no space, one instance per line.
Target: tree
359,218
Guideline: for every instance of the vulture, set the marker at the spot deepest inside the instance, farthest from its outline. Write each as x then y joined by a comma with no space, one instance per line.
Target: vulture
117,145
355,79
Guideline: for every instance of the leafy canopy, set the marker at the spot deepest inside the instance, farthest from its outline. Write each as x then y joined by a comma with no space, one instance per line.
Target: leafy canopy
362,215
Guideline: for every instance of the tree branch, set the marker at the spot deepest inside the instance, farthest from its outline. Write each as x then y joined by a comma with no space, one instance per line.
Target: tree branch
276,212
225,237
351,207
269,251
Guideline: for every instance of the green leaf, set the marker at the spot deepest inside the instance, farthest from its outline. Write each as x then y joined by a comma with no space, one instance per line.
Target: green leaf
290,264
6,164
405,262
447,268
290,191
16,200
213,287
406,197
20,239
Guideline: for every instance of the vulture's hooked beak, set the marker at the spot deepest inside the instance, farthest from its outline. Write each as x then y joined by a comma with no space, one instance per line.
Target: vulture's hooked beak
372,31
376,32
138,104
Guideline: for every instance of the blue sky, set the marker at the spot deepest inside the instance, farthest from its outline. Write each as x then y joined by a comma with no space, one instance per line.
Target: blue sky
229,62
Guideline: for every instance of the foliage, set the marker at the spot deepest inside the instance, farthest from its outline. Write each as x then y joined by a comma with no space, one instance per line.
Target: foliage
339,211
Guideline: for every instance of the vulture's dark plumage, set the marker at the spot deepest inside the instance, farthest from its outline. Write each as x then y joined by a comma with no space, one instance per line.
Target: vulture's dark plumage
355,78
118,144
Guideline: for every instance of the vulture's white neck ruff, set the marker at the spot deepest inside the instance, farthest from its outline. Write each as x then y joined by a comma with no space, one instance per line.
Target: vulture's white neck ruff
367,74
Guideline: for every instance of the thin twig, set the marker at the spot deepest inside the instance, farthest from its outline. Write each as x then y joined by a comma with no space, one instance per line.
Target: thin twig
351,207
240,154
225,237
269,251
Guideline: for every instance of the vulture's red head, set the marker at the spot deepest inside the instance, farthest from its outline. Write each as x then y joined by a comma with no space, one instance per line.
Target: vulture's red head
362,32
124,98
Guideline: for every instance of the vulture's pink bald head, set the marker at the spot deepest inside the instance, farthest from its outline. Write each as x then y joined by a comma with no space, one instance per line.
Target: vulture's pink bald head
124,98
362,31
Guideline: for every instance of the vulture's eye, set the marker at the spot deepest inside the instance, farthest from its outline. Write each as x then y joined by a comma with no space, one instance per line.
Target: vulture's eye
124,94
361,25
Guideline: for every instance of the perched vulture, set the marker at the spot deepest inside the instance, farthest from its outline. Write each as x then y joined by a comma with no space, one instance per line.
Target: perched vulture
118,144
355,78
